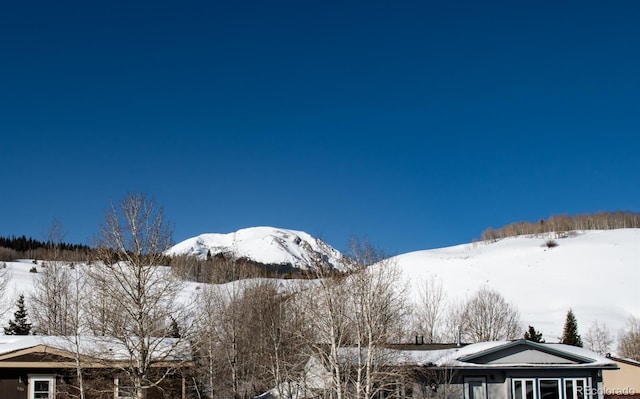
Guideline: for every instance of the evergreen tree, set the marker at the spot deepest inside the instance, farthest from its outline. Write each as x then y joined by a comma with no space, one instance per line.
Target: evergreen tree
533,335
570,334
174,329
20,325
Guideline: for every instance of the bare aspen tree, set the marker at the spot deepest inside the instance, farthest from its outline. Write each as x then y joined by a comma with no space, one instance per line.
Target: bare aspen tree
566,223
629,339
138,295
55,237
429,311
57,300
231,331
211,343
278,349
223,336
290,367
598,338
102,310
377,308
453,320
488,317
52,289
76,314
49,299
245,342
353,317
76,326
5,277
330,329
60,311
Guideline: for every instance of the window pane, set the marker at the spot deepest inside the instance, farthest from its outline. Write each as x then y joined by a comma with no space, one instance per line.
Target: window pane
517,390
568,389
529,387
549,389
580,389
523,388
41,386
476,390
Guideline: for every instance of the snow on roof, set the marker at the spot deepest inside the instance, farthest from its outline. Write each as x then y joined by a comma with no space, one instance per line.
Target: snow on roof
582,352
459,357
169,349
424,356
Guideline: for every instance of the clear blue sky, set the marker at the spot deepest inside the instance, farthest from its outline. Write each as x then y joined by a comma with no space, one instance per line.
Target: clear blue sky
414,124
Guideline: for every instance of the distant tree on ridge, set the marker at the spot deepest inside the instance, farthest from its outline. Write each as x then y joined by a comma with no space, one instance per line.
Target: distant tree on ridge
533,335
570,334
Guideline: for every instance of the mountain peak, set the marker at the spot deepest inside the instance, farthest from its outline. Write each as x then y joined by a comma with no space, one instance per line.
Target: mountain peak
264,244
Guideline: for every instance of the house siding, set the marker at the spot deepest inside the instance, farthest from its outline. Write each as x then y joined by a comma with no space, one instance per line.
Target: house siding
98,383
624,382
13,384
499,382
523,356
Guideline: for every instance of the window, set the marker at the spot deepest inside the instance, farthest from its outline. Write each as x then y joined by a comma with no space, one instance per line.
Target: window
41,387
523,389
124,391
575,388
550,388
475,388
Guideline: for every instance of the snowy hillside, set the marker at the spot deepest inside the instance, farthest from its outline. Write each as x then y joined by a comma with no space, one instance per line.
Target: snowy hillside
267,245
596,273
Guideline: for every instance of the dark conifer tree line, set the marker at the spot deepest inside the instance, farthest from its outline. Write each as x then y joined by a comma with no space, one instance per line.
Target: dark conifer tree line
12,247
23,243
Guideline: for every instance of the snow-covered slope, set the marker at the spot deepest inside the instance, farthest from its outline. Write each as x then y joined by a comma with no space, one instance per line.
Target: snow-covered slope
596,273
267,245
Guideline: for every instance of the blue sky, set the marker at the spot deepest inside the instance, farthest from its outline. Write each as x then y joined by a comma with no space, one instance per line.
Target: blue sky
413,124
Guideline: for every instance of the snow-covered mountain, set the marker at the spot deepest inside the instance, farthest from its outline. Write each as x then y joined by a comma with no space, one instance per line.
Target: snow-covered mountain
268,245
595,273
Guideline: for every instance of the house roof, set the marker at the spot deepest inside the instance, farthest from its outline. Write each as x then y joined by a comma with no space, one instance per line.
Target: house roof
625,360
90,348
560,350
495,355
500,355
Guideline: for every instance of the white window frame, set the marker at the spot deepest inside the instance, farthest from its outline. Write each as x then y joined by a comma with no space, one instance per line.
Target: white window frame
42,377
562,386
116,390
467,386
587,394
524,381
